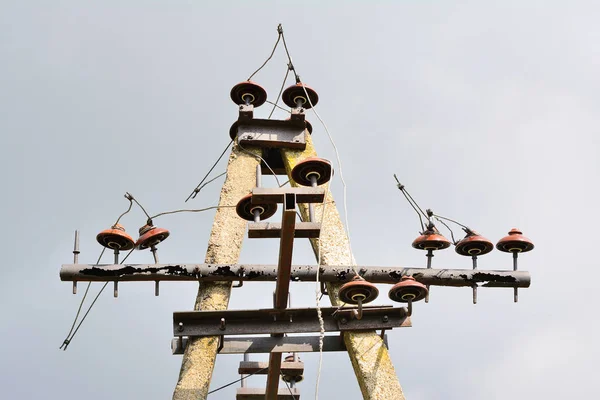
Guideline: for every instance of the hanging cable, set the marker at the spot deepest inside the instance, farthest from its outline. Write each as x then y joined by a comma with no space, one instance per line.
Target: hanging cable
263,160
291,64
238,380
129,196
287,72
192,210
199,186
415,206
278,106
280,34
447,227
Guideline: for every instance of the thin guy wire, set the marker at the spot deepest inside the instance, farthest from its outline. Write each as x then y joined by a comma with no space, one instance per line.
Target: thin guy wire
87,289
237,380
278,106
94,302
401,188
280,34
288,386
263,160
337,155
195,191
207,182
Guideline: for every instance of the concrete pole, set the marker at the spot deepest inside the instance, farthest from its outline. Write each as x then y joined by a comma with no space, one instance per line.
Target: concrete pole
224,246
369,356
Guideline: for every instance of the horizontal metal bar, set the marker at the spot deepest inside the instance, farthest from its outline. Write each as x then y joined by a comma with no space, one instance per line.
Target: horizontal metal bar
300,273
259,394
263,344
260,367
282,321
275,195
271,230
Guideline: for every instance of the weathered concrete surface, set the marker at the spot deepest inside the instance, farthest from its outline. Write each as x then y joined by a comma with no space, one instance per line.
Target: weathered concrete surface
371,361
224,246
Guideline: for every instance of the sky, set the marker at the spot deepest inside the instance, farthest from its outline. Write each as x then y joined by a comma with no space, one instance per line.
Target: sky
486,111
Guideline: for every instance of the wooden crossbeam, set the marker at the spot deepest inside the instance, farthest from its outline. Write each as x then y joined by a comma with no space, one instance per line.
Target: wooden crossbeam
259,394
260,368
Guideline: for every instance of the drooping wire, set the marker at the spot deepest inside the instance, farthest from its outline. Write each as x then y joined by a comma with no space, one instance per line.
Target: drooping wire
318,295
130,196
451,220
412,203
287,72
262,159
339,161
279,36
447,227
190,210
238,380
199,186
278,106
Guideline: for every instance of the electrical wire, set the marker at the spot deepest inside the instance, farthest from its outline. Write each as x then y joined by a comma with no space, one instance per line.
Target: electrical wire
279,36
402,189
287,72
337,155
238,380
199,186
191,210
262,159
130,196
451,220
447,227
291,64
278,106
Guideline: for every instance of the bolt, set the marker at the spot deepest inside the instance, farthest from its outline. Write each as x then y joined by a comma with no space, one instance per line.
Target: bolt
222,325
343,321
180,327
385,318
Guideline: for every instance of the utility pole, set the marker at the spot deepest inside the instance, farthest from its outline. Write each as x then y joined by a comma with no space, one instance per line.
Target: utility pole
285,147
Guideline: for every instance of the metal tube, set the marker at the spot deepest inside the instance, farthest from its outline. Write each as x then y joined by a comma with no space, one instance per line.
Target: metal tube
116,256
299,273
474,284
153,249
116,289
258,176
243,381
256,213
516,291
76,249
429,257
157,288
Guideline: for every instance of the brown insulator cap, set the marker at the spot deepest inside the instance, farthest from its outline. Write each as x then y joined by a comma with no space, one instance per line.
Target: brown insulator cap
317,167
245,209
150,236
256,94
474,245
115,238
292,94
357,290
431,240
515,242
408,289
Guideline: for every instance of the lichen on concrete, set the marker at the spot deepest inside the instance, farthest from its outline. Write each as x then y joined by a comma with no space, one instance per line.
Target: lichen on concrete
224,247
369,356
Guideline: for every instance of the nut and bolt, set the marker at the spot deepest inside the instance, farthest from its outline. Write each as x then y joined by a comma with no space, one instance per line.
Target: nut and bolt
385,318
343,321
180,327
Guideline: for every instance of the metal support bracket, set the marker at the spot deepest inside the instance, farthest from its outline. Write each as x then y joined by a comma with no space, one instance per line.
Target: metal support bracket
289,134
265,344
285,321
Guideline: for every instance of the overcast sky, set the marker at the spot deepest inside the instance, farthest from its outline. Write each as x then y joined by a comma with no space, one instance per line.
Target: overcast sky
487,111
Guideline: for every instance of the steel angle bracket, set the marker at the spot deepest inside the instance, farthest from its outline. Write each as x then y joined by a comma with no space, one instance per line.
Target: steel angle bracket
267,344
285,321
289,134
